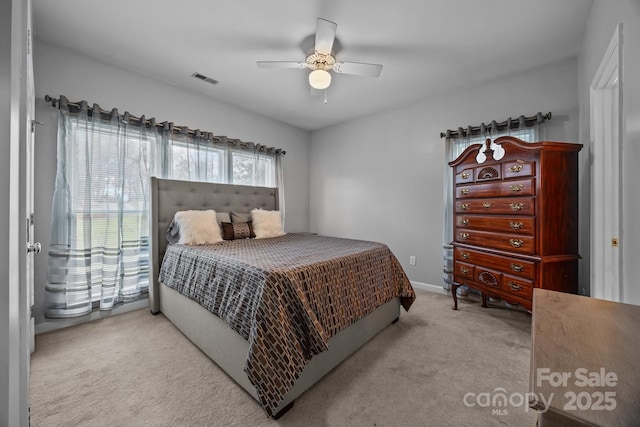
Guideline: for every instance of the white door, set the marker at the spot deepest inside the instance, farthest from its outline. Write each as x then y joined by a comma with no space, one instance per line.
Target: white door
606,111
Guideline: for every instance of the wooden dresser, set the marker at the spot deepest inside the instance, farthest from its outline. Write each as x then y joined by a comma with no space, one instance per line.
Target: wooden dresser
516,220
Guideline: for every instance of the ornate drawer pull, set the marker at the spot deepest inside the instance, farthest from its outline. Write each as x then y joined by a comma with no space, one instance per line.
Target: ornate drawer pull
515,168
515,286
464,206
488,278
516,206
516,243
487,205
464,221
464,191
517,267
464,236
464,255
465,175
464,270
516,225
516,187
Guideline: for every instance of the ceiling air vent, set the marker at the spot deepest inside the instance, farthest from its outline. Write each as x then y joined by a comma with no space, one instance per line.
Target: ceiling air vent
205,78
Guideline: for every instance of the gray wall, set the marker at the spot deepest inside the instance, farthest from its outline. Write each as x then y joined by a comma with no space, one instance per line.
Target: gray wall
381,177
602,22
59,71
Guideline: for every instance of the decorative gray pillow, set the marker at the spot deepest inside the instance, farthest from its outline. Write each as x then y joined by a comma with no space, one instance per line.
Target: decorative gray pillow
240,217
223,217
173,233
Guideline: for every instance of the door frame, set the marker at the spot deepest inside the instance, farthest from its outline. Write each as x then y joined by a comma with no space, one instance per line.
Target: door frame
606,173
27,178
19,298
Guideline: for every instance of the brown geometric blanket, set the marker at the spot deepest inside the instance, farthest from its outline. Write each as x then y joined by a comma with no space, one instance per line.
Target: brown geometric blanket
286,295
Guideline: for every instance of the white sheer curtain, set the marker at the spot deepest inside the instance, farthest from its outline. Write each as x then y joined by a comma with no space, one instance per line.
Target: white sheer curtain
190,156
453,148
528,129
99,232
99,251
280,185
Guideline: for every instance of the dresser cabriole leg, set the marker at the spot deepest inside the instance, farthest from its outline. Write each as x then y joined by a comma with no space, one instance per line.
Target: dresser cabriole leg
454,294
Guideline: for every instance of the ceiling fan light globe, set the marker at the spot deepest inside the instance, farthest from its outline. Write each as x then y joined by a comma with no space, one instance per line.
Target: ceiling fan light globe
319,79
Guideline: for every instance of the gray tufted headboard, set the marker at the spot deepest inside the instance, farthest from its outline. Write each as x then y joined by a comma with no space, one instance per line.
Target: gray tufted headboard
169,196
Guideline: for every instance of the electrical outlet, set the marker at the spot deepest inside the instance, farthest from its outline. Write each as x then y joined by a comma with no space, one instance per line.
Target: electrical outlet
412,260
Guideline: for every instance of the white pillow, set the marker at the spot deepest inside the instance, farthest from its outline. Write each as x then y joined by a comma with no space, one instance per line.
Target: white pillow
266,223
198,227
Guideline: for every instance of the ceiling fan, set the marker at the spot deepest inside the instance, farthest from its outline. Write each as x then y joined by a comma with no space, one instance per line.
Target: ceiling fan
321,61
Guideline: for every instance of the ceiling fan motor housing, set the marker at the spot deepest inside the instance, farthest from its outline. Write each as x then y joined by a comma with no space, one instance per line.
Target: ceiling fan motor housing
319,61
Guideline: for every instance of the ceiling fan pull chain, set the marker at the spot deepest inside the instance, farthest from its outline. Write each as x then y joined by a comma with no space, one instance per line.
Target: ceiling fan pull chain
325,95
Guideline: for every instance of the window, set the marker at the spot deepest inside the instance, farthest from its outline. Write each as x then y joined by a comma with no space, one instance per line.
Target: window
248,169
109,171
459,145
99,253
111,167
204,164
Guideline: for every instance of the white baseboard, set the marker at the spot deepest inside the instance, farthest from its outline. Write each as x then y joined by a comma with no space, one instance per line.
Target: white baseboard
428,287
54,324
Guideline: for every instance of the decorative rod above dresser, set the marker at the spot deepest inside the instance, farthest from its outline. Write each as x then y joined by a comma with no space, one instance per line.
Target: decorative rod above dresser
498,127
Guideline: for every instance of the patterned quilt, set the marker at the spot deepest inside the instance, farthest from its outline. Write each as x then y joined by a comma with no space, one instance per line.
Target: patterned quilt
286,295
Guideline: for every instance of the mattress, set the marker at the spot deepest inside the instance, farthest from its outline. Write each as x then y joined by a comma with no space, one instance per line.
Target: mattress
286,295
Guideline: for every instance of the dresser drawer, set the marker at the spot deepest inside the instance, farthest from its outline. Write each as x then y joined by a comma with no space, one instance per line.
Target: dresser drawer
525,187
500,224
517,286
465,176
464,270
491,279
518,169
509,206
508,242
514,266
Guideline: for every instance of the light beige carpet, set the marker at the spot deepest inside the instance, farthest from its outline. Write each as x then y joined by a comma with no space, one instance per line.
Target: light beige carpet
137,369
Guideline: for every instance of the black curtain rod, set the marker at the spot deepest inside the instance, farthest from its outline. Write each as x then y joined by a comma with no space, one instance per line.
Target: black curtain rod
494,126
75,107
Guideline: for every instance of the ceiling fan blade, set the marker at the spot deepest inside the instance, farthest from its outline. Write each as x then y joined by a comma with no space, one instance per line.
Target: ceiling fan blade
281,64
358,68
325,35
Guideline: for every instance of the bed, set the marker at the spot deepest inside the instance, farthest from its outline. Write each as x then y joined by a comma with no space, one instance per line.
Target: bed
294,336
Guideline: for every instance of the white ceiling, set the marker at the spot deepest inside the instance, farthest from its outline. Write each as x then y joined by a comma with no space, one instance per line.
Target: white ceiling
426,46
